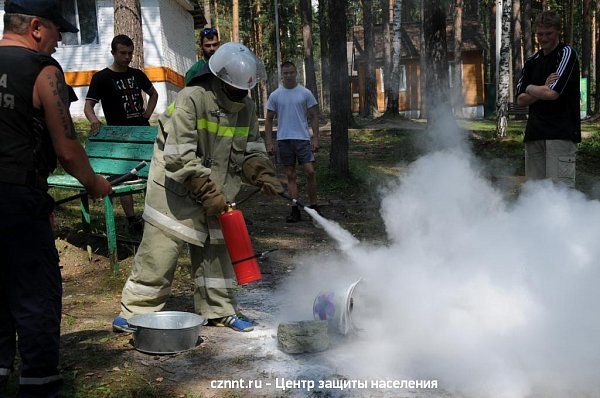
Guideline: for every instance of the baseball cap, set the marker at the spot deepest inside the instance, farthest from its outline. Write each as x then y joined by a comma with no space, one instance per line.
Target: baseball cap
48,9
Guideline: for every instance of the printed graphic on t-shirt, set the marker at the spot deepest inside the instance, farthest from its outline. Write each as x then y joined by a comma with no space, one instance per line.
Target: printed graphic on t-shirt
131,98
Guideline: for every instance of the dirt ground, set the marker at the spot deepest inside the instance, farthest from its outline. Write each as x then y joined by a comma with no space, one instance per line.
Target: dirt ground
99,363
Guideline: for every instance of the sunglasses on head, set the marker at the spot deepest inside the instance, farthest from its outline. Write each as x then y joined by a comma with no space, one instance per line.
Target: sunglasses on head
209,32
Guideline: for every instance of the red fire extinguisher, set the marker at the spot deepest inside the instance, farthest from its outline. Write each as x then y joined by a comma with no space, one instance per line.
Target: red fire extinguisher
239,246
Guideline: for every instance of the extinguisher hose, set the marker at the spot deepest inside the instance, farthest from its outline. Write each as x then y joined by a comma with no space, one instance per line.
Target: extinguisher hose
114,181
257,256
246,198
244,259
295,201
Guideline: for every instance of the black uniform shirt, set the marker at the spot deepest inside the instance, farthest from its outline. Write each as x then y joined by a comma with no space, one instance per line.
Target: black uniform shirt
121,95
553,119
26,152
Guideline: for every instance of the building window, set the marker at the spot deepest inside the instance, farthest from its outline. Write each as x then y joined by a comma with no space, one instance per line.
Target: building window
451,69
82,14
402,73
402,69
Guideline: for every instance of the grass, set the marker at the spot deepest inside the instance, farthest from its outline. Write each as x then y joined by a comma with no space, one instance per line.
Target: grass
487,127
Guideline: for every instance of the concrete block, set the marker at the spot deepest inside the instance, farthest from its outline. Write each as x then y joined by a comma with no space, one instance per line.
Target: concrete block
303,336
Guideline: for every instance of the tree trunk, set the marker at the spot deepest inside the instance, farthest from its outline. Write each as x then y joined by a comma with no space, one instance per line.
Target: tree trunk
593,106
386,13
586,41
128,21
597,94
527,32
309,63
262,85
340,89
492,43
473,10
325,66
216,9
436,62
457,89
571,22
503,72
394,79
235,22
422,68
207,13
517,47
370,100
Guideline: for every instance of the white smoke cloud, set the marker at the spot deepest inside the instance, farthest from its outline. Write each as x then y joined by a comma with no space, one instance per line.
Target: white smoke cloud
491,298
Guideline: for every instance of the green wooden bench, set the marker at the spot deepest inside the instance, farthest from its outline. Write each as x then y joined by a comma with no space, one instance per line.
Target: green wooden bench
113,151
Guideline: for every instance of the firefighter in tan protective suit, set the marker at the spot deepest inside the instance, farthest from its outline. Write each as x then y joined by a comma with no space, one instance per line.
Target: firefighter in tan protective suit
208,143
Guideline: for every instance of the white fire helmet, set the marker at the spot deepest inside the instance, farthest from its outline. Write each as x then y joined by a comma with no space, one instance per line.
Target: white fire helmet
237,66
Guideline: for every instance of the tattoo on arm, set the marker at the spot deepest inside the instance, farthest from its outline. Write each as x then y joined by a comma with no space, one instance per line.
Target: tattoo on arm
60,93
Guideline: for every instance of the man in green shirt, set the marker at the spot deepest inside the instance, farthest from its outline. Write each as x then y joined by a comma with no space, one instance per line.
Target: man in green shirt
209,41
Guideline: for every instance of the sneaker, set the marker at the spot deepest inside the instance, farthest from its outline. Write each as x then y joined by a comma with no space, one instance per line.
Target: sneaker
245,318
294,215
233,322
120,324
135,225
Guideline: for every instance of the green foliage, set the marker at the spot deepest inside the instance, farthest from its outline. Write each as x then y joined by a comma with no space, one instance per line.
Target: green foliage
487,127
374,159
591,145
69,320
589,153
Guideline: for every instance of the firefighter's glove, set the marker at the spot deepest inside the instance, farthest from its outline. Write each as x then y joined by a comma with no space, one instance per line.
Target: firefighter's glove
271,186
260,172
203,190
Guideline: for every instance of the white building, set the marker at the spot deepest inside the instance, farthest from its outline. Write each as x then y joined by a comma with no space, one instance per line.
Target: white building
169,48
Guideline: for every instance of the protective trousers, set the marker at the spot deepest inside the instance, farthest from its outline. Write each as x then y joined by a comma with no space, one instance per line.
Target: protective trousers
30,291
149,284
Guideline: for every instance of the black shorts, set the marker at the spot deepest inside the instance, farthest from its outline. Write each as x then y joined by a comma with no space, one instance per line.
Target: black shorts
290,151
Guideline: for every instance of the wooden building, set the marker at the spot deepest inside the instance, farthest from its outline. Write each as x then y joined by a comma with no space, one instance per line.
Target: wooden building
411,101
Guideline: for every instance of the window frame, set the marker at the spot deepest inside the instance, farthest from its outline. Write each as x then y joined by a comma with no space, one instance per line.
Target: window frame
78,26
402,82
451,70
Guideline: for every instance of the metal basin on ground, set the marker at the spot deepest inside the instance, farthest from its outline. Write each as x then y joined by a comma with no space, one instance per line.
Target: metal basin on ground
166,332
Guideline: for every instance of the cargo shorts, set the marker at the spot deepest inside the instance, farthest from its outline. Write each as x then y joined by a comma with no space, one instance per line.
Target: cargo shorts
553,159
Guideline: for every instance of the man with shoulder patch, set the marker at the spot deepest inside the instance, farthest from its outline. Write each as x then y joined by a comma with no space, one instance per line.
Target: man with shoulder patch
549,85
35,130
292,104
209,42
119,89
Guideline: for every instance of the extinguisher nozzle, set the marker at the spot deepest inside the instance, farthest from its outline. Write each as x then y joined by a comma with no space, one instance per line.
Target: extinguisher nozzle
294,201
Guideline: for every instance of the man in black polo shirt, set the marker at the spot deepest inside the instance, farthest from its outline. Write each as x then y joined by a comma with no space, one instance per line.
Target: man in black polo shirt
549,84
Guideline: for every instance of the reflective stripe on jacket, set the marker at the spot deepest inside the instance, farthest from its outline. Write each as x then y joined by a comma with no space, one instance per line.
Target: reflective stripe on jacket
206,134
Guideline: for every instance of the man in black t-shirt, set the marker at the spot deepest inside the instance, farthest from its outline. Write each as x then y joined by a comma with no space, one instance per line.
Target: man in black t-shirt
119,89
549,84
